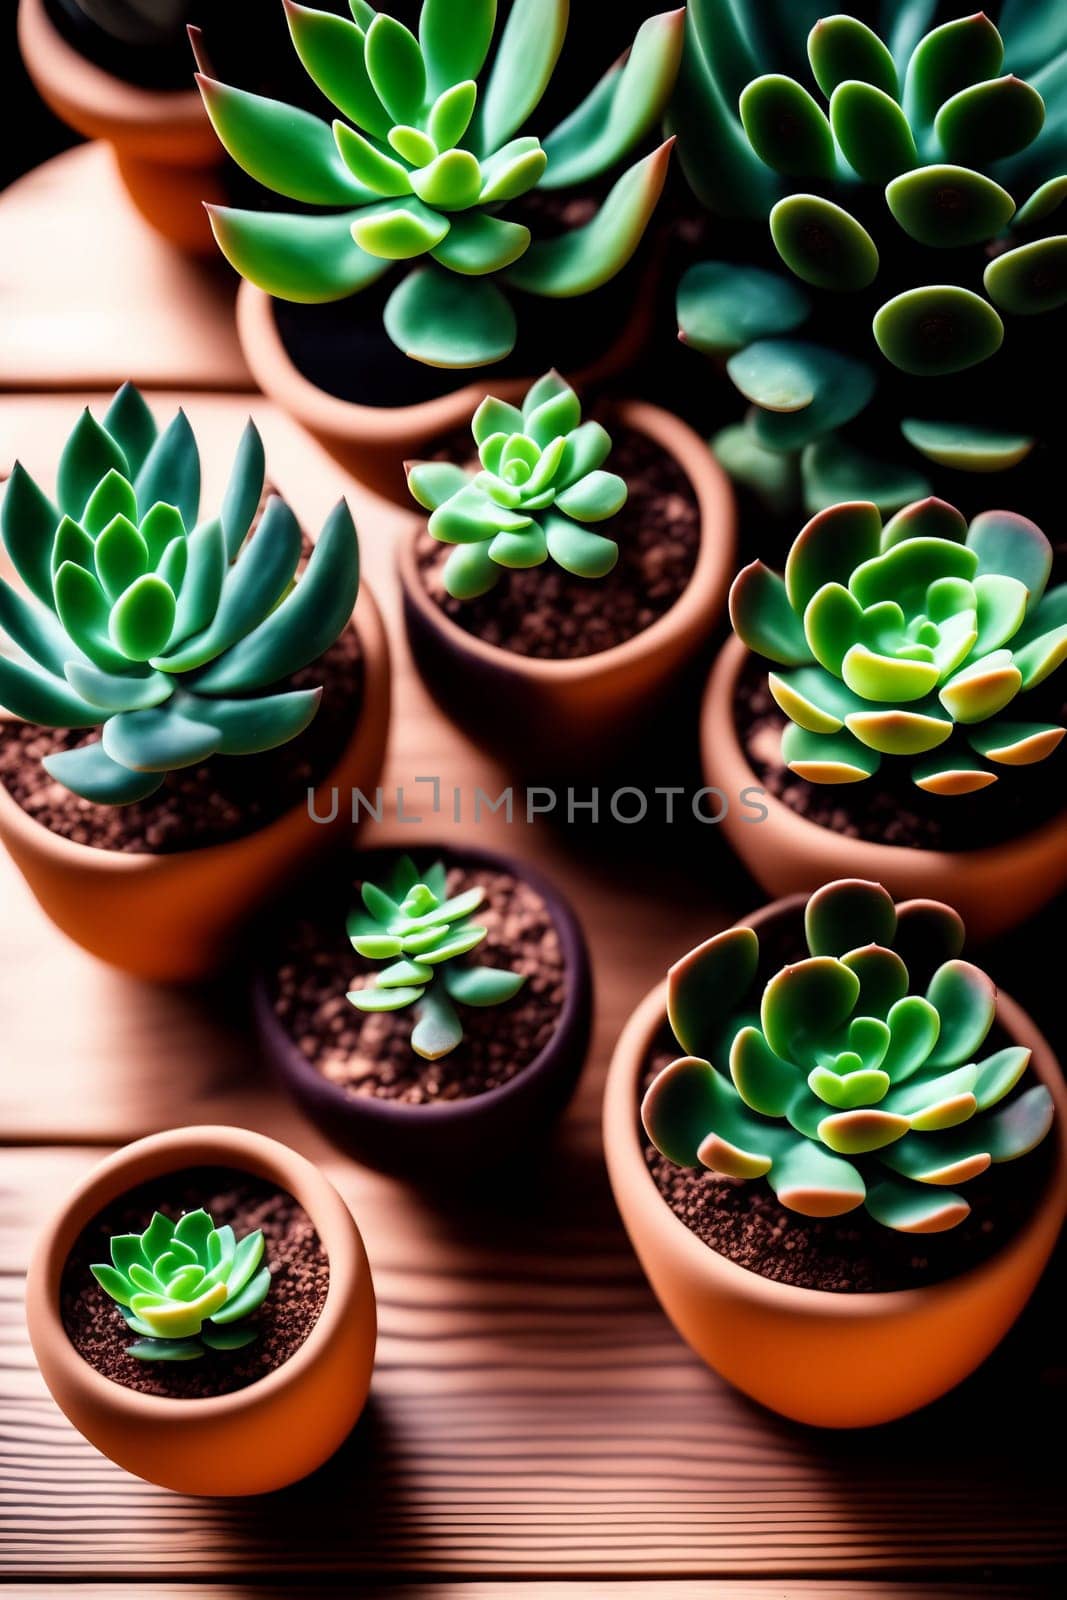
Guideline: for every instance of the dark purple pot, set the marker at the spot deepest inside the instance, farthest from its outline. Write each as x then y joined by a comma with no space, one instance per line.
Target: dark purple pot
424,1143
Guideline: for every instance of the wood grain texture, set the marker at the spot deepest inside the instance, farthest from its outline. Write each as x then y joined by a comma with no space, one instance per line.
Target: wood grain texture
105,299
535,1425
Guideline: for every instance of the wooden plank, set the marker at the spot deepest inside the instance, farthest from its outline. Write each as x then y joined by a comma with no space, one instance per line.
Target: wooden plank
533,1416
148,1053
104,298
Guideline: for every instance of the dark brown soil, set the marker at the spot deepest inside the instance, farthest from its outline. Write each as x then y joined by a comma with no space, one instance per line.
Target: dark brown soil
300,1277
225,799
549,615
371,1055
889,808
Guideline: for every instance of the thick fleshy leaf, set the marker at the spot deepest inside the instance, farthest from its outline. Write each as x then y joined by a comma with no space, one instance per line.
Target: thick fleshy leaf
587,257
227,1339
400,230
952,772
28,521
34,629
247,727
90,772
578,550
949,207
882,978
764,1081
520,551
289,151
165,1349
706,985
84,612
158,741
451,181
438,1030
830,548
470,571
900,733
723,307
872,131
372,169
396,68
513,170
948,59
332,52
814,699
933,331
131,424
914,1208
455,36
966,1000
433,482
982,690
482,986
302,258
805,1002
171,471
142,620
113,497
244,490
204,574
827,758
803,390
622,110
908,568
990,121
451,113
444,320
1030,280
833,470
914,1029
523,65
89,454
857,1133
112,693
687,1102
823,244
847,914
841,48
763,618
933,1103
967,447
814,1182
477,244
998,1074
787,128
1017,744
927,518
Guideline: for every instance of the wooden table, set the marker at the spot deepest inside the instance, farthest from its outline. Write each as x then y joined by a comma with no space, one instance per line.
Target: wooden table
535,1426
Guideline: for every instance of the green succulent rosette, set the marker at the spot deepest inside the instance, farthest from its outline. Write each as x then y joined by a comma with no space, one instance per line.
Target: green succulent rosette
911,166
426,155
540,487
832,1078
186,1287
920,638
421,931
164,629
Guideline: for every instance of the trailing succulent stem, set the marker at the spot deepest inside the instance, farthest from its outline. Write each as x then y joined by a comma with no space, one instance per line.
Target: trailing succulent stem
923,638
424,159
833,1078
917,176
187,1287
540,486
163,629
413,924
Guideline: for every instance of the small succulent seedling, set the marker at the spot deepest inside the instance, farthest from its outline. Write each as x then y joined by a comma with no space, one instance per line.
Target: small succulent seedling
424,158
186,1287
539,487
832,1079
919,179
421,931
162,629
920,638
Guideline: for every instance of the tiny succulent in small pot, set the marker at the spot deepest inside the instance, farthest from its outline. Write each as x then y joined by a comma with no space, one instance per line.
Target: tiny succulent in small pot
186,1287
540,485
617,531
424,158
934,180
163,629
837,1083
413,923
922,637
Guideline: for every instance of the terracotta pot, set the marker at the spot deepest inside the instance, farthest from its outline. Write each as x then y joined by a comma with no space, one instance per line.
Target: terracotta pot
993,889
164,144
573,715
432,1141
836,1360
177,917
258,1439
373,442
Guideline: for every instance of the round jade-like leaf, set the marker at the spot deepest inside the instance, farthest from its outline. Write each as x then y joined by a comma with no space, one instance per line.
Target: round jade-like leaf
934,331
823,244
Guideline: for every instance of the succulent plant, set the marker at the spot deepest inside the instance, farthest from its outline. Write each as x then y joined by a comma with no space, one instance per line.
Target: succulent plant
835,1081
160,628
539,486
420,930
423,160
186,1287
909,639
919,214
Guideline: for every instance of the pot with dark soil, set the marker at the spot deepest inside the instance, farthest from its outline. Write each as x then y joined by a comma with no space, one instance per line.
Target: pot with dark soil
429,1016
911,728
123,72
846,1188
202,1310
178,687
551,604
441,228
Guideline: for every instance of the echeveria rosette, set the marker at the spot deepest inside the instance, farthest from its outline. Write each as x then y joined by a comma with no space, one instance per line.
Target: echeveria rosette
186,1287
426,155
920,638
833,1079
540,489
163,629
421,931
914,189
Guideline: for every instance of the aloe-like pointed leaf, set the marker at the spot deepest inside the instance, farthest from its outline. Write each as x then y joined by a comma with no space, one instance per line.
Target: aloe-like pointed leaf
622,110
307,259
872,131
990,121
130,423
244,490
787,129
113,497
1030,280
447,321
247,727
206,566
29,692
332,52
89,772
121,556
89,454
34,629
171,471
289,151
451,114
823,244
396,68
306,623
375,171
949,207
723,307
28,521
523,65
455,36
478,244
936,330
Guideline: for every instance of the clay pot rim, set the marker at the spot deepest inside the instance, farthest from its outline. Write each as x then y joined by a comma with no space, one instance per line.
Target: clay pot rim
299,1072
100,95
715,549
367,621
158,1155
857,858
627,1168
